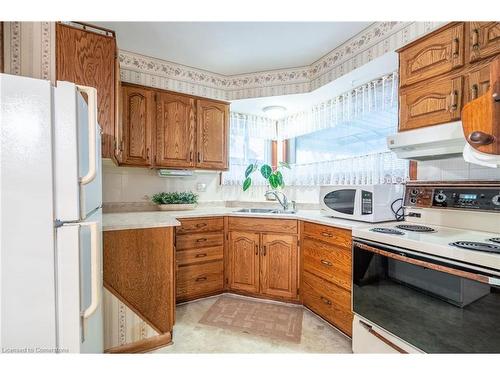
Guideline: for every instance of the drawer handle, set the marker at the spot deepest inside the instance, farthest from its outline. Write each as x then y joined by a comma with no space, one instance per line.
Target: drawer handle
456,45
370,330
454,99
203,255
326,301
201,225
475,38
326,263
201,240
326,234
204,278
475,91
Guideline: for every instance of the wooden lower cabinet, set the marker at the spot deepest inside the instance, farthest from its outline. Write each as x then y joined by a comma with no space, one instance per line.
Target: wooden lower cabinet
328,300
139,271
264,262
244,255
278,266
199,246
198,280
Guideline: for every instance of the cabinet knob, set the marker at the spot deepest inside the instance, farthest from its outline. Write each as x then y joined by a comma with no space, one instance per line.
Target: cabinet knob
480,138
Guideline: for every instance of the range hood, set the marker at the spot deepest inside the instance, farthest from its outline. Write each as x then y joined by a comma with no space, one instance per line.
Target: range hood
429,143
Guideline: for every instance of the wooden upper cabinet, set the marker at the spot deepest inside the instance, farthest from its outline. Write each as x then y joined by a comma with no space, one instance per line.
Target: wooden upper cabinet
88,58
278,266
175,130
433,55
484,40
477,80
430,103
137,125
212,135
244,261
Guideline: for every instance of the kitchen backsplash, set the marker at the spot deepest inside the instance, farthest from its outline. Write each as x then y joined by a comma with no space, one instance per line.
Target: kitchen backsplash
454,169
126,184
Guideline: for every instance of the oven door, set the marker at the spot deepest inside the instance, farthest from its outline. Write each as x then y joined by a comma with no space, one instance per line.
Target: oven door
435,304
341,202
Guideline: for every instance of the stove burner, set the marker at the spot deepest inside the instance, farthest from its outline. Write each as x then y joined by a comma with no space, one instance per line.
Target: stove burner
495,239
387,231
415,228
479,246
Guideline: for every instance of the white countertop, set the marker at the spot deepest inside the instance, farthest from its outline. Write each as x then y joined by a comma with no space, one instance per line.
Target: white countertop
155,219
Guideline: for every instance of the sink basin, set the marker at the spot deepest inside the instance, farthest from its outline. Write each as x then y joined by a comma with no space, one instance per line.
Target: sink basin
257,210
264,211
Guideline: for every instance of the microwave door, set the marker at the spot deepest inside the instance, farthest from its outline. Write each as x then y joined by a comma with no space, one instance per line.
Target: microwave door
342,201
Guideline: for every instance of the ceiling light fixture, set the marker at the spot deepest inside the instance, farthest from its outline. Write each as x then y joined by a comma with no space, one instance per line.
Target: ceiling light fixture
274,111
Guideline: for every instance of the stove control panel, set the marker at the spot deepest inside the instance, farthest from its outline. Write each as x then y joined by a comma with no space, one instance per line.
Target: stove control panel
457,197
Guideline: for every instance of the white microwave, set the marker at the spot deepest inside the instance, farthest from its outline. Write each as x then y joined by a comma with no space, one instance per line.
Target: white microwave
371,203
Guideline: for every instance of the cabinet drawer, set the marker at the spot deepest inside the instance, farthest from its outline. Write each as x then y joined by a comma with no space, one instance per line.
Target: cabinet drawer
288,226
329,262
430,103
204,224
437,54
205,254
329,301
199,279
334,236
198,240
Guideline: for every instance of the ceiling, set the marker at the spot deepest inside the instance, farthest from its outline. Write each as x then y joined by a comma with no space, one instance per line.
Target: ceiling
384,64
234,47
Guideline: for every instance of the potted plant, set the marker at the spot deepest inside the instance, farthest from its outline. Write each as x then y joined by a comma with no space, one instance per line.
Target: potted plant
175,201
273,177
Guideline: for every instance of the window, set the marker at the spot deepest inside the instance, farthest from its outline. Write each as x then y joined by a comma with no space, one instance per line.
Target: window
250,142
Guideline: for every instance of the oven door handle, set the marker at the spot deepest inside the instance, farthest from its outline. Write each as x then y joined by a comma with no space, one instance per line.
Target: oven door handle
427,264
370,330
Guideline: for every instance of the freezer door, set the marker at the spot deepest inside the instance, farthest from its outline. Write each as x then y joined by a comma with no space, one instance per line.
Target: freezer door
27,278
79,286
77,152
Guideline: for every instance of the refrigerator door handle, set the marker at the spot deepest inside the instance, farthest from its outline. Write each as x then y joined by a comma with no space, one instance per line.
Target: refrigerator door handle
92,124
94,266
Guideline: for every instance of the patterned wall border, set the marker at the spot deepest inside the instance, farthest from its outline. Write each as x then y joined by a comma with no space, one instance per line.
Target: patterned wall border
376,40
31,49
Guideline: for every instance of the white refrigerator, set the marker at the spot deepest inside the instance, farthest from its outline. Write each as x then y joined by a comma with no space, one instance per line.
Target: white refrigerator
50,223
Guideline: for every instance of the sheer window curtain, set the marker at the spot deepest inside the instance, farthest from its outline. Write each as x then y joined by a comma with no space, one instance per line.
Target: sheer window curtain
365,107
250,142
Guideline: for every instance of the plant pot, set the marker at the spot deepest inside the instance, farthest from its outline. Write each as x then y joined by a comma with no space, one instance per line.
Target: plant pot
177,207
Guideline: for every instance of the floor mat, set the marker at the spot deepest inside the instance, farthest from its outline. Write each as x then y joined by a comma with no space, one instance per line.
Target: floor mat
268,319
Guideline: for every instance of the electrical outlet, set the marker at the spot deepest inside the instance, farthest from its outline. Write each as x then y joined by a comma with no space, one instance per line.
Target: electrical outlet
201,187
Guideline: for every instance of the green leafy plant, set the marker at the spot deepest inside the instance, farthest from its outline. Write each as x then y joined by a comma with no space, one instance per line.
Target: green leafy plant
187,197
275,178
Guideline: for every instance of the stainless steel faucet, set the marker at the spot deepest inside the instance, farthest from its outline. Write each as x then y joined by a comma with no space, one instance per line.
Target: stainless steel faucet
283,200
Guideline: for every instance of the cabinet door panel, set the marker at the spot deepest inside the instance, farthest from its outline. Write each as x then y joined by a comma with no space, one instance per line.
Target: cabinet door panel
244,261
484,40
477,81
278,276
175,128
432,103
432,56
88,58
212,133
137,126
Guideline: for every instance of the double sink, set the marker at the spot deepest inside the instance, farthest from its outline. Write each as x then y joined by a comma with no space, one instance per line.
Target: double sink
265,211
